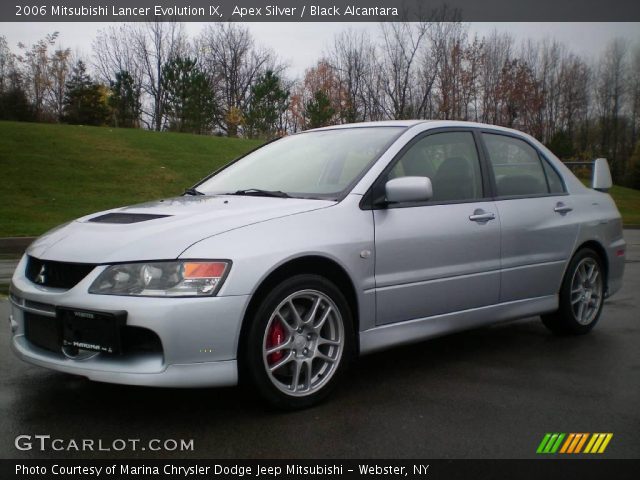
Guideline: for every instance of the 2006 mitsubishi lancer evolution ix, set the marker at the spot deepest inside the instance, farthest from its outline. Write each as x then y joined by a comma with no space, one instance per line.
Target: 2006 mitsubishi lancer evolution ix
281,266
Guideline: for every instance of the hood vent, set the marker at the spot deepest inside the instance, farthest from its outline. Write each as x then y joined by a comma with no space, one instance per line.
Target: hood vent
126,217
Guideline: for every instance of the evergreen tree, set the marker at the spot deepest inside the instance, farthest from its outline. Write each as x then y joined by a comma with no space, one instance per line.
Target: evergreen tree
190,104
318,111
125,101
269,101
85,101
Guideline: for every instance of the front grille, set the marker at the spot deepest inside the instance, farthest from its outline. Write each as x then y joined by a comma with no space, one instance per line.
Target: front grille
56,274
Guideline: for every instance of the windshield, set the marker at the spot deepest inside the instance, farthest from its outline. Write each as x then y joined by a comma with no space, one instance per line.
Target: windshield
313,164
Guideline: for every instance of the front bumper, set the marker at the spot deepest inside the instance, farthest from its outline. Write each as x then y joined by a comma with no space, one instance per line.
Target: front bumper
198,336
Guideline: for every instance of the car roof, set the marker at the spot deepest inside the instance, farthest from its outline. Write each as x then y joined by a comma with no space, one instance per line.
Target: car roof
386,123
413,123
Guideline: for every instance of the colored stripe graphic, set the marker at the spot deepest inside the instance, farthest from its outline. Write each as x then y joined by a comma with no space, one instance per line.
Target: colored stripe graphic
567,443
598,442
581,442
573,443
550,443
543,443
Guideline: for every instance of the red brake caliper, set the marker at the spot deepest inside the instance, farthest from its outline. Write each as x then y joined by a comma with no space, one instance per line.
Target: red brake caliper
275,337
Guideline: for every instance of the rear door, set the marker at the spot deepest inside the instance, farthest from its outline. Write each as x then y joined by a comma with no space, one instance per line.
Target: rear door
538,227
439,256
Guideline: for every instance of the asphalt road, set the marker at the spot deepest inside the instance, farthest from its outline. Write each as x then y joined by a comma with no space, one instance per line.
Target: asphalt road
487,393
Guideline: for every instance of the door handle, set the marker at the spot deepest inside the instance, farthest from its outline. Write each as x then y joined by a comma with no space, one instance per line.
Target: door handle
481,216
562,208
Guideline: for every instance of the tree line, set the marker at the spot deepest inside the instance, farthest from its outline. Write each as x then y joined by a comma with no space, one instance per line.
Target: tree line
154,76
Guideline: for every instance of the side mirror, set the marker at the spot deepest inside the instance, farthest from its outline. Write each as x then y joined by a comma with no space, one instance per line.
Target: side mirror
408,189
601,175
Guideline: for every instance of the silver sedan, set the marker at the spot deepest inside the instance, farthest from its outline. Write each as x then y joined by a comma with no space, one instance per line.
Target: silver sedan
280,267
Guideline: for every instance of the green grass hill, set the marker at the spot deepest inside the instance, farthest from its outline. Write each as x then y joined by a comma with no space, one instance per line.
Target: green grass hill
53,173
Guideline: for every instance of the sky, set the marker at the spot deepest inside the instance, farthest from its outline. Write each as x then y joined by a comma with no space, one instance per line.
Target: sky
300,44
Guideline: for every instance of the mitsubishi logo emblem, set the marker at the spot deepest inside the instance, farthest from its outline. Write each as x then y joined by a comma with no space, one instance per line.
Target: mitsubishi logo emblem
41,278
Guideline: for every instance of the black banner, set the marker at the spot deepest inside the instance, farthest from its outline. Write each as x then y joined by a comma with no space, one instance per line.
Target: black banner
583,469
319,10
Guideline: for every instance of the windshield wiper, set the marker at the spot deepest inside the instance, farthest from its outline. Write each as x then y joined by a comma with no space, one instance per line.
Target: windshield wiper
192,191
261,193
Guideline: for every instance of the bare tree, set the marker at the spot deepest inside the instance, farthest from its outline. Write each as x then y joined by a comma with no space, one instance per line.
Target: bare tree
7,65
155,43
350,58
610,90
36,63
497,52
401,43
59,70
233,61
633,90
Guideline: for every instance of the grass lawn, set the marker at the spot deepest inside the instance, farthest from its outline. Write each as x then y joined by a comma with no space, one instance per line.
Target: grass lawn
628,202
53,173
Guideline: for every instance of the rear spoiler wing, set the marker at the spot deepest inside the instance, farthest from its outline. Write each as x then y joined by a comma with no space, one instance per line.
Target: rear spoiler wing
601,175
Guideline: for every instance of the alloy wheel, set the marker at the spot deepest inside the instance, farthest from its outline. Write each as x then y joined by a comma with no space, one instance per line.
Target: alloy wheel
303,343
586,291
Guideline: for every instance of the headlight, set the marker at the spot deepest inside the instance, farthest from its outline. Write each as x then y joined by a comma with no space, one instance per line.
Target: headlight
162,279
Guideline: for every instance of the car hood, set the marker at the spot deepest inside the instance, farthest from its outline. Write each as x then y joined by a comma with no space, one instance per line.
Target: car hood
161,229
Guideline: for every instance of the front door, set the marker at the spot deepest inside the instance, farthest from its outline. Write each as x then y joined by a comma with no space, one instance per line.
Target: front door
443,255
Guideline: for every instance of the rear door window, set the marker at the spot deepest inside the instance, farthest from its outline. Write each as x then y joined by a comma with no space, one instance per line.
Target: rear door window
517,167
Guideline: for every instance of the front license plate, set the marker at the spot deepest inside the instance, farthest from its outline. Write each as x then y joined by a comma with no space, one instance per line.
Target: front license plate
92,330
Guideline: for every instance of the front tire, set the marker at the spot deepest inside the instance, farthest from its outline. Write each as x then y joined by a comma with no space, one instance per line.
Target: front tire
581,296
299,342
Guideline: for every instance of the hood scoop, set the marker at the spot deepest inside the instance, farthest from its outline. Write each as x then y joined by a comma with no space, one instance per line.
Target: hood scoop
123,218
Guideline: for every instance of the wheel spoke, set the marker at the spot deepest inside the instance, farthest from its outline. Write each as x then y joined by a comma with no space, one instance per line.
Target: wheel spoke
284,323
312,311
281,363
582,273
326,341
308,375
590,272
323,320
284,345
295,380
580,314
324,357
296,316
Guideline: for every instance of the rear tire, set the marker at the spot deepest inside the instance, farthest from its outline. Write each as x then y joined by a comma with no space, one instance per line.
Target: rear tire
299,342
581,296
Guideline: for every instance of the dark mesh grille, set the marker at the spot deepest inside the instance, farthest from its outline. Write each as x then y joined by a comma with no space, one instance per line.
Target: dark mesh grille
56,274
125,217
44,332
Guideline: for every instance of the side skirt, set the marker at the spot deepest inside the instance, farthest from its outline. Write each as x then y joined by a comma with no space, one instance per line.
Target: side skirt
386,336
